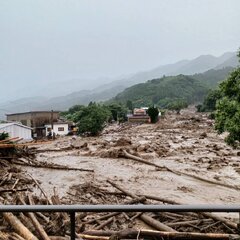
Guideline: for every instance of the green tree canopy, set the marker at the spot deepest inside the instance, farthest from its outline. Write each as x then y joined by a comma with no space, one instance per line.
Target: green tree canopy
228,108
92,119
153,114
209,103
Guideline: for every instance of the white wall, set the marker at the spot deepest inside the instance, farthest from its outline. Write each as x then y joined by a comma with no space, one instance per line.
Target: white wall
56,129
17,131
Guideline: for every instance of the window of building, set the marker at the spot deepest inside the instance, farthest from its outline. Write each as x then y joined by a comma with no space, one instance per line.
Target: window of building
49,129
60,129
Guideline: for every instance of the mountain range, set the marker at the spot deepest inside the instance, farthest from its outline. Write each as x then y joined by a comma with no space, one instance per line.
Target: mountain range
107,91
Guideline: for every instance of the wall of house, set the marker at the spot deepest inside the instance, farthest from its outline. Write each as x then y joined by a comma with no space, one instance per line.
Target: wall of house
59,129
34,119
17,131
42,118
24,118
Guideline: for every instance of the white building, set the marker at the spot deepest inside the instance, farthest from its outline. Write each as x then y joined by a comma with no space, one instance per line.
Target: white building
59,128
16,129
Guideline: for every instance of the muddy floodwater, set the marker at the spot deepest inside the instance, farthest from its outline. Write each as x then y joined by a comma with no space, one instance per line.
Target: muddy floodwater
185,143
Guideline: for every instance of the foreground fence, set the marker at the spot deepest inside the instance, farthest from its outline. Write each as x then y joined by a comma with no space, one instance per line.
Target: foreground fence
72,209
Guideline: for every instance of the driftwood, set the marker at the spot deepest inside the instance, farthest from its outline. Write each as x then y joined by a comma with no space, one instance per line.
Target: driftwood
40,164
147,219
35,222
93,237
17,225
43,192
128,155
159,235
215,217
132,201
156,224
102,225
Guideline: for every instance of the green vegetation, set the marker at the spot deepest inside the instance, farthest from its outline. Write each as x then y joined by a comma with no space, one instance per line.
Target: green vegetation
153,114
4,136
212,78
209,103
228,108
177,105
118,111
165,92
91,119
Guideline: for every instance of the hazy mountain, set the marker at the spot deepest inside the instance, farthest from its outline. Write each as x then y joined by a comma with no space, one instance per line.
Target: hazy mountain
109,90
167,90
232,61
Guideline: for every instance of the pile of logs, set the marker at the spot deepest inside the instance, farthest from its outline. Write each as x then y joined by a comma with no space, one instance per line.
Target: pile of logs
17,187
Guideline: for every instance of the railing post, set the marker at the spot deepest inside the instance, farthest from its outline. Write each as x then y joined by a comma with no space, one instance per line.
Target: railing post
72,225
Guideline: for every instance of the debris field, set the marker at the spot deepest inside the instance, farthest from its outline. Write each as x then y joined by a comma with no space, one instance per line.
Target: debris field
179,160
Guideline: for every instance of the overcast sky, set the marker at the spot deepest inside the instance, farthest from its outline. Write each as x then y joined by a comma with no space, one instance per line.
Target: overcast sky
58,40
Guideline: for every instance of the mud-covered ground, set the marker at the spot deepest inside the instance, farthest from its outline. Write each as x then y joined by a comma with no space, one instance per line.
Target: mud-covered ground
185,142
179,160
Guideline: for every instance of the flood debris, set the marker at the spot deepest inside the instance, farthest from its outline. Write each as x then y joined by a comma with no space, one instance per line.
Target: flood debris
180,160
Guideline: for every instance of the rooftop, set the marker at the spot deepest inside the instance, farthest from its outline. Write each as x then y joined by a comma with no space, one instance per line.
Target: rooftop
11,114
3,125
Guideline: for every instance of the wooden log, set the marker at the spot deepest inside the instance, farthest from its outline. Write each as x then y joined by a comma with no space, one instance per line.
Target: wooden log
36,223
161,235
156,224
56,201
50,166
92,237
13,190
9,140
43,192
102,225
215,217
128,155
147,219
186,223
17,236
27,223
17,225
133,201
102,217
221,219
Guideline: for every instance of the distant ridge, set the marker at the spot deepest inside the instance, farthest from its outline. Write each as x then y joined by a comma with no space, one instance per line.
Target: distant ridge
104,92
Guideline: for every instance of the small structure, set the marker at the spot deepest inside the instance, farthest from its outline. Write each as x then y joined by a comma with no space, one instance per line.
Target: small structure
59,128
139,115
16,129
35,120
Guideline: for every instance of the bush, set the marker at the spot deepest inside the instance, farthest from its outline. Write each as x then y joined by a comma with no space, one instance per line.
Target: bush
153,114
4,136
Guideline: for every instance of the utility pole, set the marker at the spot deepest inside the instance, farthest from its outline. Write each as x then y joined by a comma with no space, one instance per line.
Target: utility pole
52,122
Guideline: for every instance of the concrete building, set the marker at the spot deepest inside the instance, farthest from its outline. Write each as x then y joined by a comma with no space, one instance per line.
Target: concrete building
35,120
59,128
139,115
16,129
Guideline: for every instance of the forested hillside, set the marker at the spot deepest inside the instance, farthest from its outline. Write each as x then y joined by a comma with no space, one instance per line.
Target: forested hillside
166,91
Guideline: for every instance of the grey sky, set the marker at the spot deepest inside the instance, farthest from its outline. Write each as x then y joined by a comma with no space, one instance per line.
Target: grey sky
57,40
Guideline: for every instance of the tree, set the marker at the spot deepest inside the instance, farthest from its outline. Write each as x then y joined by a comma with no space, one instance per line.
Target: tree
228,108
209,103
129,105
92,119
178,105
118,111
153,114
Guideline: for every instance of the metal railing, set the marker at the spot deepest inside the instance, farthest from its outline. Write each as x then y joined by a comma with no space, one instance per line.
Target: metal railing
72,209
